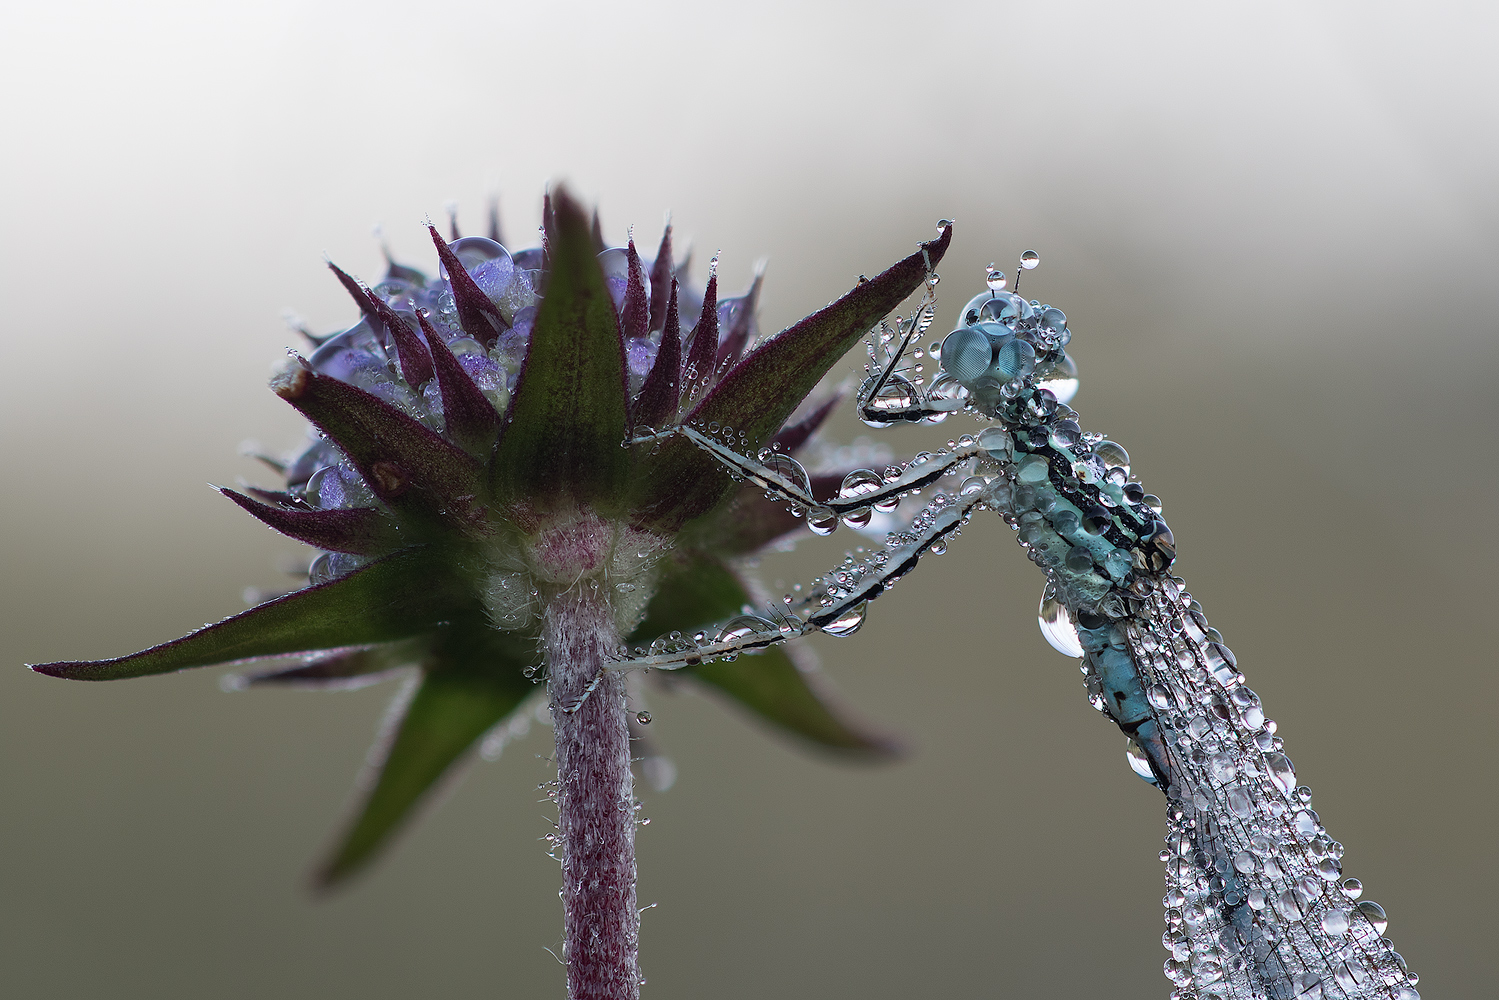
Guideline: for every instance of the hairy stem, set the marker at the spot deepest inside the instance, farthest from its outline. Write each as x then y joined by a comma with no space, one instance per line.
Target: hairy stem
594,798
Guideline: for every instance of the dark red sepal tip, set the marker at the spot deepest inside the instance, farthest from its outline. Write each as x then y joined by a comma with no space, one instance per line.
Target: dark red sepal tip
360,531
636,315
479,317
662,389
661,276
471,419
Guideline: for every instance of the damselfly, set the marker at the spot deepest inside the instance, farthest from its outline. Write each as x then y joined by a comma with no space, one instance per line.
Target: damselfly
1257,904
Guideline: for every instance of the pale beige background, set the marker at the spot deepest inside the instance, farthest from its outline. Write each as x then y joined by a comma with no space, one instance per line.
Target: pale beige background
1273,225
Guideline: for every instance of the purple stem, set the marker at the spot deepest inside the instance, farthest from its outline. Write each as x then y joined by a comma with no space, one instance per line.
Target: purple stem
595,799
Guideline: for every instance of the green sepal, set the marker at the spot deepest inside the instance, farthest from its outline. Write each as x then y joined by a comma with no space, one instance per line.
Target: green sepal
472,682
399,596
681,481
568,417
701,590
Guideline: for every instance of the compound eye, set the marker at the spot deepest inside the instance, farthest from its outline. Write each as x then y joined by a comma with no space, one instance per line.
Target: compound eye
1015,359
967,353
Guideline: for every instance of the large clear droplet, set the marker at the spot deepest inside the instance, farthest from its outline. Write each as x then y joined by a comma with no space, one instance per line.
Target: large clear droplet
1113,455
1376,915
1335,923
849,621
1282,771
895,395
1059,378
790,470
1138,762
995,279
996,443
1057,627
822,520
748,627
1029,259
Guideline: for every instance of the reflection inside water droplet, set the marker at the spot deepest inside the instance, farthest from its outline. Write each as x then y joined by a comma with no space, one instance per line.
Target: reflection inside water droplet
1057,627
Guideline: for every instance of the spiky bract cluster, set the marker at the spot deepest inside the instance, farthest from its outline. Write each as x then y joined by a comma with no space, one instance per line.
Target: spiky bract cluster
469,463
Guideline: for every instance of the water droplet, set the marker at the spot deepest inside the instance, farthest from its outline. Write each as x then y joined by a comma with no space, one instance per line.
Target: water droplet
747,627
1282,771
849,621
1352,888
1376,915
1005,307
1308,986
1138,762
1222,768
996,443
1057,627
1159,696
644,718
1113,455
1029,259
939,547
1034,469
1335,922
790,470
822,521
995,279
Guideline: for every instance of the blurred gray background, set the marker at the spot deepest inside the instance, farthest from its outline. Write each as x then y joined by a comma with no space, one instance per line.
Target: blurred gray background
1274,229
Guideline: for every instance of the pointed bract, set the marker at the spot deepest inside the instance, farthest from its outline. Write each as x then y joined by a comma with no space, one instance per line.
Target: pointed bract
360,531
757,395
494,220
406,464
661,275
704,347
356,291
399,596
455,705
479,317
411,353
741,313
635,318
791,437
568,414
658,397
596,233
470,418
